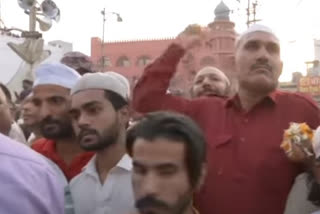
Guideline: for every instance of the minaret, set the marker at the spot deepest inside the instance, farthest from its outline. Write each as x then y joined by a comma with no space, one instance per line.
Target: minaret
222,19
222,40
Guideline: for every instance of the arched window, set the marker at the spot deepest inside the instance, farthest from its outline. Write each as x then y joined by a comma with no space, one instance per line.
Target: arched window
123,61
105,61
143,61
207,61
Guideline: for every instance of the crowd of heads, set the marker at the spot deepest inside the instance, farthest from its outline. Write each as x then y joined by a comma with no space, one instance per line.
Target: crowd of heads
168,150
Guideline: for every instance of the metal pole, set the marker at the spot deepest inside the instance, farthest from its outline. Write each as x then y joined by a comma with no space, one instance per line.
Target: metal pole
32,18
254,11
32,28
102,44
248,14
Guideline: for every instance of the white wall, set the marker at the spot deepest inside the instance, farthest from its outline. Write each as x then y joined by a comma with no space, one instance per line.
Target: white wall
14,69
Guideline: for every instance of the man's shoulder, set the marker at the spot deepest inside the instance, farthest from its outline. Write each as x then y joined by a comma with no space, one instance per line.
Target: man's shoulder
296,98
14,154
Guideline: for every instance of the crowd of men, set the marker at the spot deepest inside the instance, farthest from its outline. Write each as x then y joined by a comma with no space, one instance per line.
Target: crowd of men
76,148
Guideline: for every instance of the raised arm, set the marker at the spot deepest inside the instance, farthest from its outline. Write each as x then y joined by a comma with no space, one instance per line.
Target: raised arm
150,91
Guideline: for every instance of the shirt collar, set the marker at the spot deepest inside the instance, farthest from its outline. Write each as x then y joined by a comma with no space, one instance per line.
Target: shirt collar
236,101
49,147
124,163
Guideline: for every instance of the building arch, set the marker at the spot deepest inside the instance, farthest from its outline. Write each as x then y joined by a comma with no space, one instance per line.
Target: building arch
123,61
207,61
143,61
105,61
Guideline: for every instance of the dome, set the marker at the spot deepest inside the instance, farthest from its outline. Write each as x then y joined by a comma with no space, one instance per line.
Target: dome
222,12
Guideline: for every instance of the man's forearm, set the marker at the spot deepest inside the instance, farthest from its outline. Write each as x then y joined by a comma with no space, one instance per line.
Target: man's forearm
153,84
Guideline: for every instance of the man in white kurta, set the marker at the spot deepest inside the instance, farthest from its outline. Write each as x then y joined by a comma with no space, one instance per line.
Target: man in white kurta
113,196
100,115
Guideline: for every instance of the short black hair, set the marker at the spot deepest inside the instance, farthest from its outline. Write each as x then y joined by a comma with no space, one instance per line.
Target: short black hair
177,127
116,100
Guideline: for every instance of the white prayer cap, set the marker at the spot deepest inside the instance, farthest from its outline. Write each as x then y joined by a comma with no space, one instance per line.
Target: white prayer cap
316,143
256,28
110,80
56,74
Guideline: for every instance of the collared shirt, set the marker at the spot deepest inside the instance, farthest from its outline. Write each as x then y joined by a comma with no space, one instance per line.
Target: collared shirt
48,149
247,171
28,183
115,195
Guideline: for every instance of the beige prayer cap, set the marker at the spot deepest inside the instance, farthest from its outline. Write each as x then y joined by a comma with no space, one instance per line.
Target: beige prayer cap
110,80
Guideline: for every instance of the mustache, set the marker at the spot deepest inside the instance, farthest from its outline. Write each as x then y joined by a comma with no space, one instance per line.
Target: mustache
85,131
150,201
208,88
50,120
259,65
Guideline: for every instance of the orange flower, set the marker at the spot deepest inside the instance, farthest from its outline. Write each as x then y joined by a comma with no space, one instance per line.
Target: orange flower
305,129
286,146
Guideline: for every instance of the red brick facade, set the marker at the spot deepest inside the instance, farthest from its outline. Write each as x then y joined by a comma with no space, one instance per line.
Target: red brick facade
127,57
130,57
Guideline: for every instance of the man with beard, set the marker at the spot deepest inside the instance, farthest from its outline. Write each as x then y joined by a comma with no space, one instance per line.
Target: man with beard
100,115
247,170
169,163
51,94
210,81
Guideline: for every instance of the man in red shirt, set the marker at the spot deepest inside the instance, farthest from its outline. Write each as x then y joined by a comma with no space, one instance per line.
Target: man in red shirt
51,94
248,173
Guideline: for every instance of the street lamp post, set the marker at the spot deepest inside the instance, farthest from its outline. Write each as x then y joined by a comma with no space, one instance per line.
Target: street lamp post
119,19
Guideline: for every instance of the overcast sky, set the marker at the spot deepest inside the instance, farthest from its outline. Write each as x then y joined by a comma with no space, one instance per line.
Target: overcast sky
296,22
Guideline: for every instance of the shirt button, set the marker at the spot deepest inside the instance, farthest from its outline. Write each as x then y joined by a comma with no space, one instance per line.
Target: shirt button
219,172
242,139
246,120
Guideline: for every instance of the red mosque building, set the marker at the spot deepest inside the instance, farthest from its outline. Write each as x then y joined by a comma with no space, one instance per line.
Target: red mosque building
130,57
